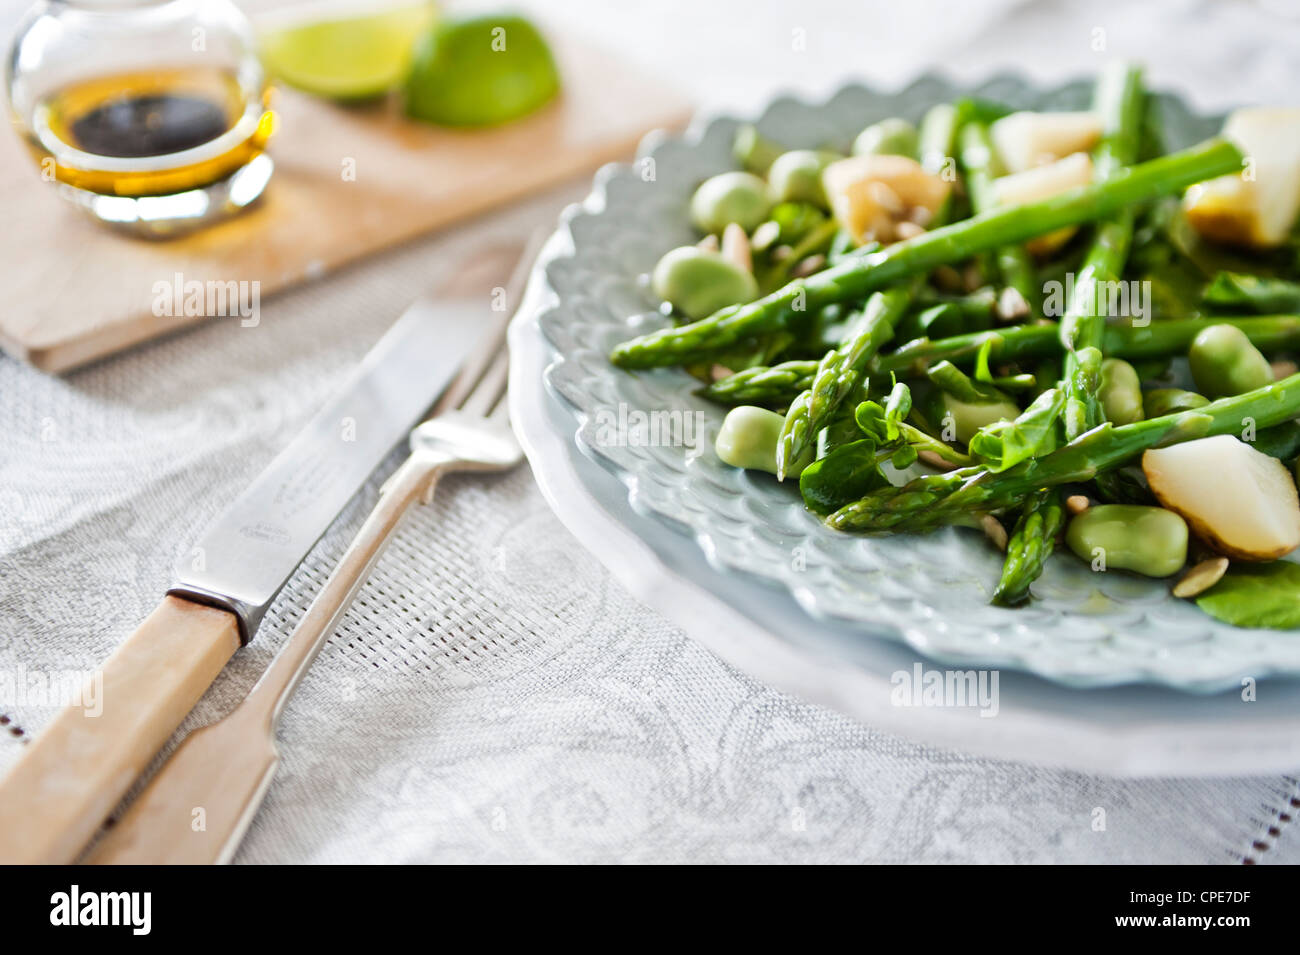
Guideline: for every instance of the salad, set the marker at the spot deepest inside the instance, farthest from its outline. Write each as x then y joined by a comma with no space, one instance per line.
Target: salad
1041,325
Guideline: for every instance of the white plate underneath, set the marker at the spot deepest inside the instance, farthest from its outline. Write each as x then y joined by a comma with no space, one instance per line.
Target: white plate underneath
758,628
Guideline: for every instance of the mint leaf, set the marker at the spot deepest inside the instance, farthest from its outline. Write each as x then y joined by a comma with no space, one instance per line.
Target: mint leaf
846,474
1004,444
1256,595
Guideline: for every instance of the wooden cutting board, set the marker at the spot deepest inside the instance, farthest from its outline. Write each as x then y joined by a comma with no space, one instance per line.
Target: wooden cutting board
75,291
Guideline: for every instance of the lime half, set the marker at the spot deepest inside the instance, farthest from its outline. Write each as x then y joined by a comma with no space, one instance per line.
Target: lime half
343,52
481,71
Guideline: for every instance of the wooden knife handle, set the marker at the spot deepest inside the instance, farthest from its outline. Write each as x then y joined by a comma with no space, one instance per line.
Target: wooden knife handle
78,768
196,808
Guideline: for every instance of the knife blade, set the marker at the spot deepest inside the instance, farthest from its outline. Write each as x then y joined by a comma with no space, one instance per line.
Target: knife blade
78,768
244,558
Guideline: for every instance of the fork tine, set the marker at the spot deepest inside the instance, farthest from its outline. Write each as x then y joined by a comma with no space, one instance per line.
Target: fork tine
477,364
463,385
489,388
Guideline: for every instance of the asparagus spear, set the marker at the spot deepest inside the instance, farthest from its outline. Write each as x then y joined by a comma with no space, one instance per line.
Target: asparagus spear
780,384
1268,333
980,161
1082,375
859,276
964,495
838,376
1009,344
936,136
1031,543
764,385
1119,99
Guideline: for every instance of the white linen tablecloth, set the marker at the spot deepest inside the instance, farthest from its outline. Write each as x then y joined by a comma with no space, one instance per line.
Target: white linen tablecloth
493,695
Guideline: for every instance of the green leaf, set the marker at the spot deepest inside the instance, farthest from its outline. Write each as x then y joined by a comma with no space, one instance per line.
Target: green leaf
984,375
846,474
841,431
1004,444
895,437
1281,441
872,419
882,422
897,407
904,457
1256,595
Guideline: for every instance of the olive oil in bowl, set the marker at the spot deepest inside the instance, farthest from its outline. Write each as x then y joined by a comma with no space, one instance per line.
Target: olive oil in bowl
151,115
150,134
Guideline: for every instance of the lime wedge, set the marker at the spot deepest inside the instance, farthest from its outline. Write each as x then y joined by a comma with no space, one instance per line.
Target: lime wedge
341,52
481,71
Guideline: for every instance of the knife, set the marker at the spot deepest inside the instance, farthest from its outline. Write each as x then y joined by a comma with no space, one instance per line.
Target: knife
79,767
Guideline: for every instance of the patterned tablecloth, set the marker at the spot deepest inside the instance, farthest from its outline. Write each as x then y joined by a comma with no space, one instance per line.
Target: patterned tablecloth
493,695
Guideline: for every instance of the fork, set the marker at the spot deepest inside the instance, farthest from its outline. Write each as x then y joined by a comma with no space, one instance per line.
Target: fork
199,805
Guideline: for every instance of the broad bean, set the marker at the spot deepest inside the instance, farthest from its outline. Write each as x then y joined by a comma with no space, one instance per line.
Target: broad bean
697,282
739,197
1163,401
1146,540
796,176
959,419
748,438
892,137
1224,362
1119,390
